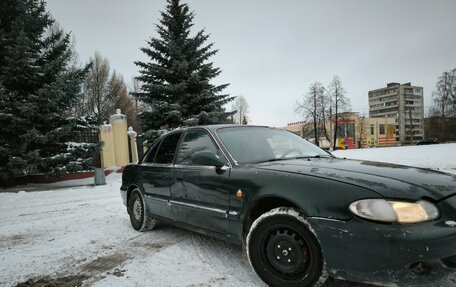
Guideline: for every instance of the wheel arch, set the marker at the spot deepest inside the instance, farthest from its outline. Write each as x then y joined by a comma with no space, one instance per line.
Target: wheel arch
263,205
130,191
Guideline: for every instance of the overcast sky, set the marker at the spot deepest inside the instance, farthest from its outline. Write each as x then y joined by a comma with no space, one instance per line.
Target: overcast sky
271,51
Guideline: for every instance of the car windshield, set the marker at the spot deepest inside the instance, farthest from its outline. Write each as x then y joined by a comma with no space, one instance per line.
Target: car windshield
260,144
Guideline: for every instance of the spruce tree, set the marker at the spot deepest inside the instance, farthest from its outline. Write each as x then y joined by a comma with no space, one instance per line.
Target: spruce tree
37,85
176,81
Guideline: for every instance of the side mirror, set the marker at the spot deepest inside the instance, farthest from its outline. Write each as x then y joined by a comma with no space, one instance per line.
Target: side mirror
207,158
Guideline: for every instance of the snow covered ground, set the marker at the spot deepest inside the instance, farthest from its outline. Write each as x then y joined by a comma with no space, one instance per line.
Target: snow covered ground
82,235
67,236
440,157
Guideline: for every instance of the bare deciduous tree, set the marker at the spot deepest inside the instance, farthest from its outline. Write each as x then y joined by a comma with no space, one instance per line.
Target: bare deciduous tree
445,94
339,103
123,101
104,92
241,107
443,110
135,88
126,104
98,89
312,108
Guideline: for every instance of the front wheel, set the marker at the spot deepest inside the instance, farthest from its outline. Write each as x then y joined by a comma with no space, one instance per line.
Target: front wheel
139,214
283,251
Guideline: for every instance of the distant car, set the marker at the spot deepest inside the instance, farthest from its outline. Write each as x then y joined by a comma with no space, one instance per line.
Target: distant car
322,143
428,141
301,213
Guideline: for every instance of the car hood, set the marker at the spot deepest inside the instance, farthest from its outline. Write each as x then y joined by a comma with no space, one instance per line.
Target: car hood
388,180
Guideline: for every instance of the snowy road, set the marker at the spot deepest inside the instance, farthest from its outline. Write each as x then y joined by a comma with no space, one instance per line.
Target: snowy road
82,235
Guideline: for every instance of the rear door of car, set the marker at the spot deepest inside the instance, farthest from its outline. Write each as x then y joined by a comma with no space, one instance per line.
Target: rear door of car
158,174
200,194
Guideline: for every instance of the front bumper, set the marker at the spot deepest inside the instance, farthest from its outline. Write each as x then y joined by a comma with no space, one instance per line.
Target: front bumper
359,250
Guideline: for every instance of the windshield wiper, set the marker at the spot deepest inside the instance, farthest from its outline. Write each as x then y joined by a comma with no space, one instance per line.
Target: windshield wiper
296,157
272,159
312,156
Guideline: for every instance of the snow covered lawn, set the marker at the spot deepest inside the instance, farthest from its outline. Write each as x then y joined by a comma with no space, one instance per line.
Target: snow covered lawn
440,157
82,235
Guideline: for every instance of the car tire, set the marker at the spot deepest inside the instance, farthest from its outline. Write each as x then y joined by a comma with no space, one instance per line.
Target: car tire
283,250
140,218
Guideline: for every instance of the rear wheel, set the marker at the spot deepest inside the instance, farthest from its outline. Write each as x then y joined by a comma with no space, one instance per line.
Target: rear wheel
139,214
283,251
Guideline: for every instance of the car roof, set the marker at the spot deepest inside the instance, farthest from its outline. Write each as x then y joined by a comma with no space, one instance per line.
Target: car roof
213,128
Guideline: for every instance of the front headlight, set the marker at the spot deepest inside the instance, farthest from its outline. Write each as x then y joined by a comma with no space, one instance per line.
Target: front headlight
395,211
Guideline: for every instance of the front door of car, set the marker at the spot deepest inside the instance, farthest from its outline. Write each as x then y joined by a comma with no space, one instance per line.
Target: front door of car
158,174
200,195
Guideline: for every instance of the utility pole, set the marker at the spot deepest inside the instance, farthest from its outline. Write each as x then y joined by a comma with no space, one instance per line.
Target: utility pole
411,127
316,134
331,136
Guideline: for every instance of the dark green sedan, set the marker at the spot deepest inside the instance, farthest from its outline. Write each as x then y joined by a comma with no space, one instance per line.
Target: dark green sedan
301,213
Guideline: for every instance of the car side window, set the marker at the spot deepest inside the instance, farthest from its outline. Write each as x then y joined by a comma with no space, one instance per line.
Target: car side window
167,149
151,155
194,141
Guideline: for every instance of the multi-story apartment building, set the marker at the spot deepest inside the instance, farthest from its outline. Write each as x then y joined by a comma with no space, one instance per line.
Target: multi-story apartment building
404,103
